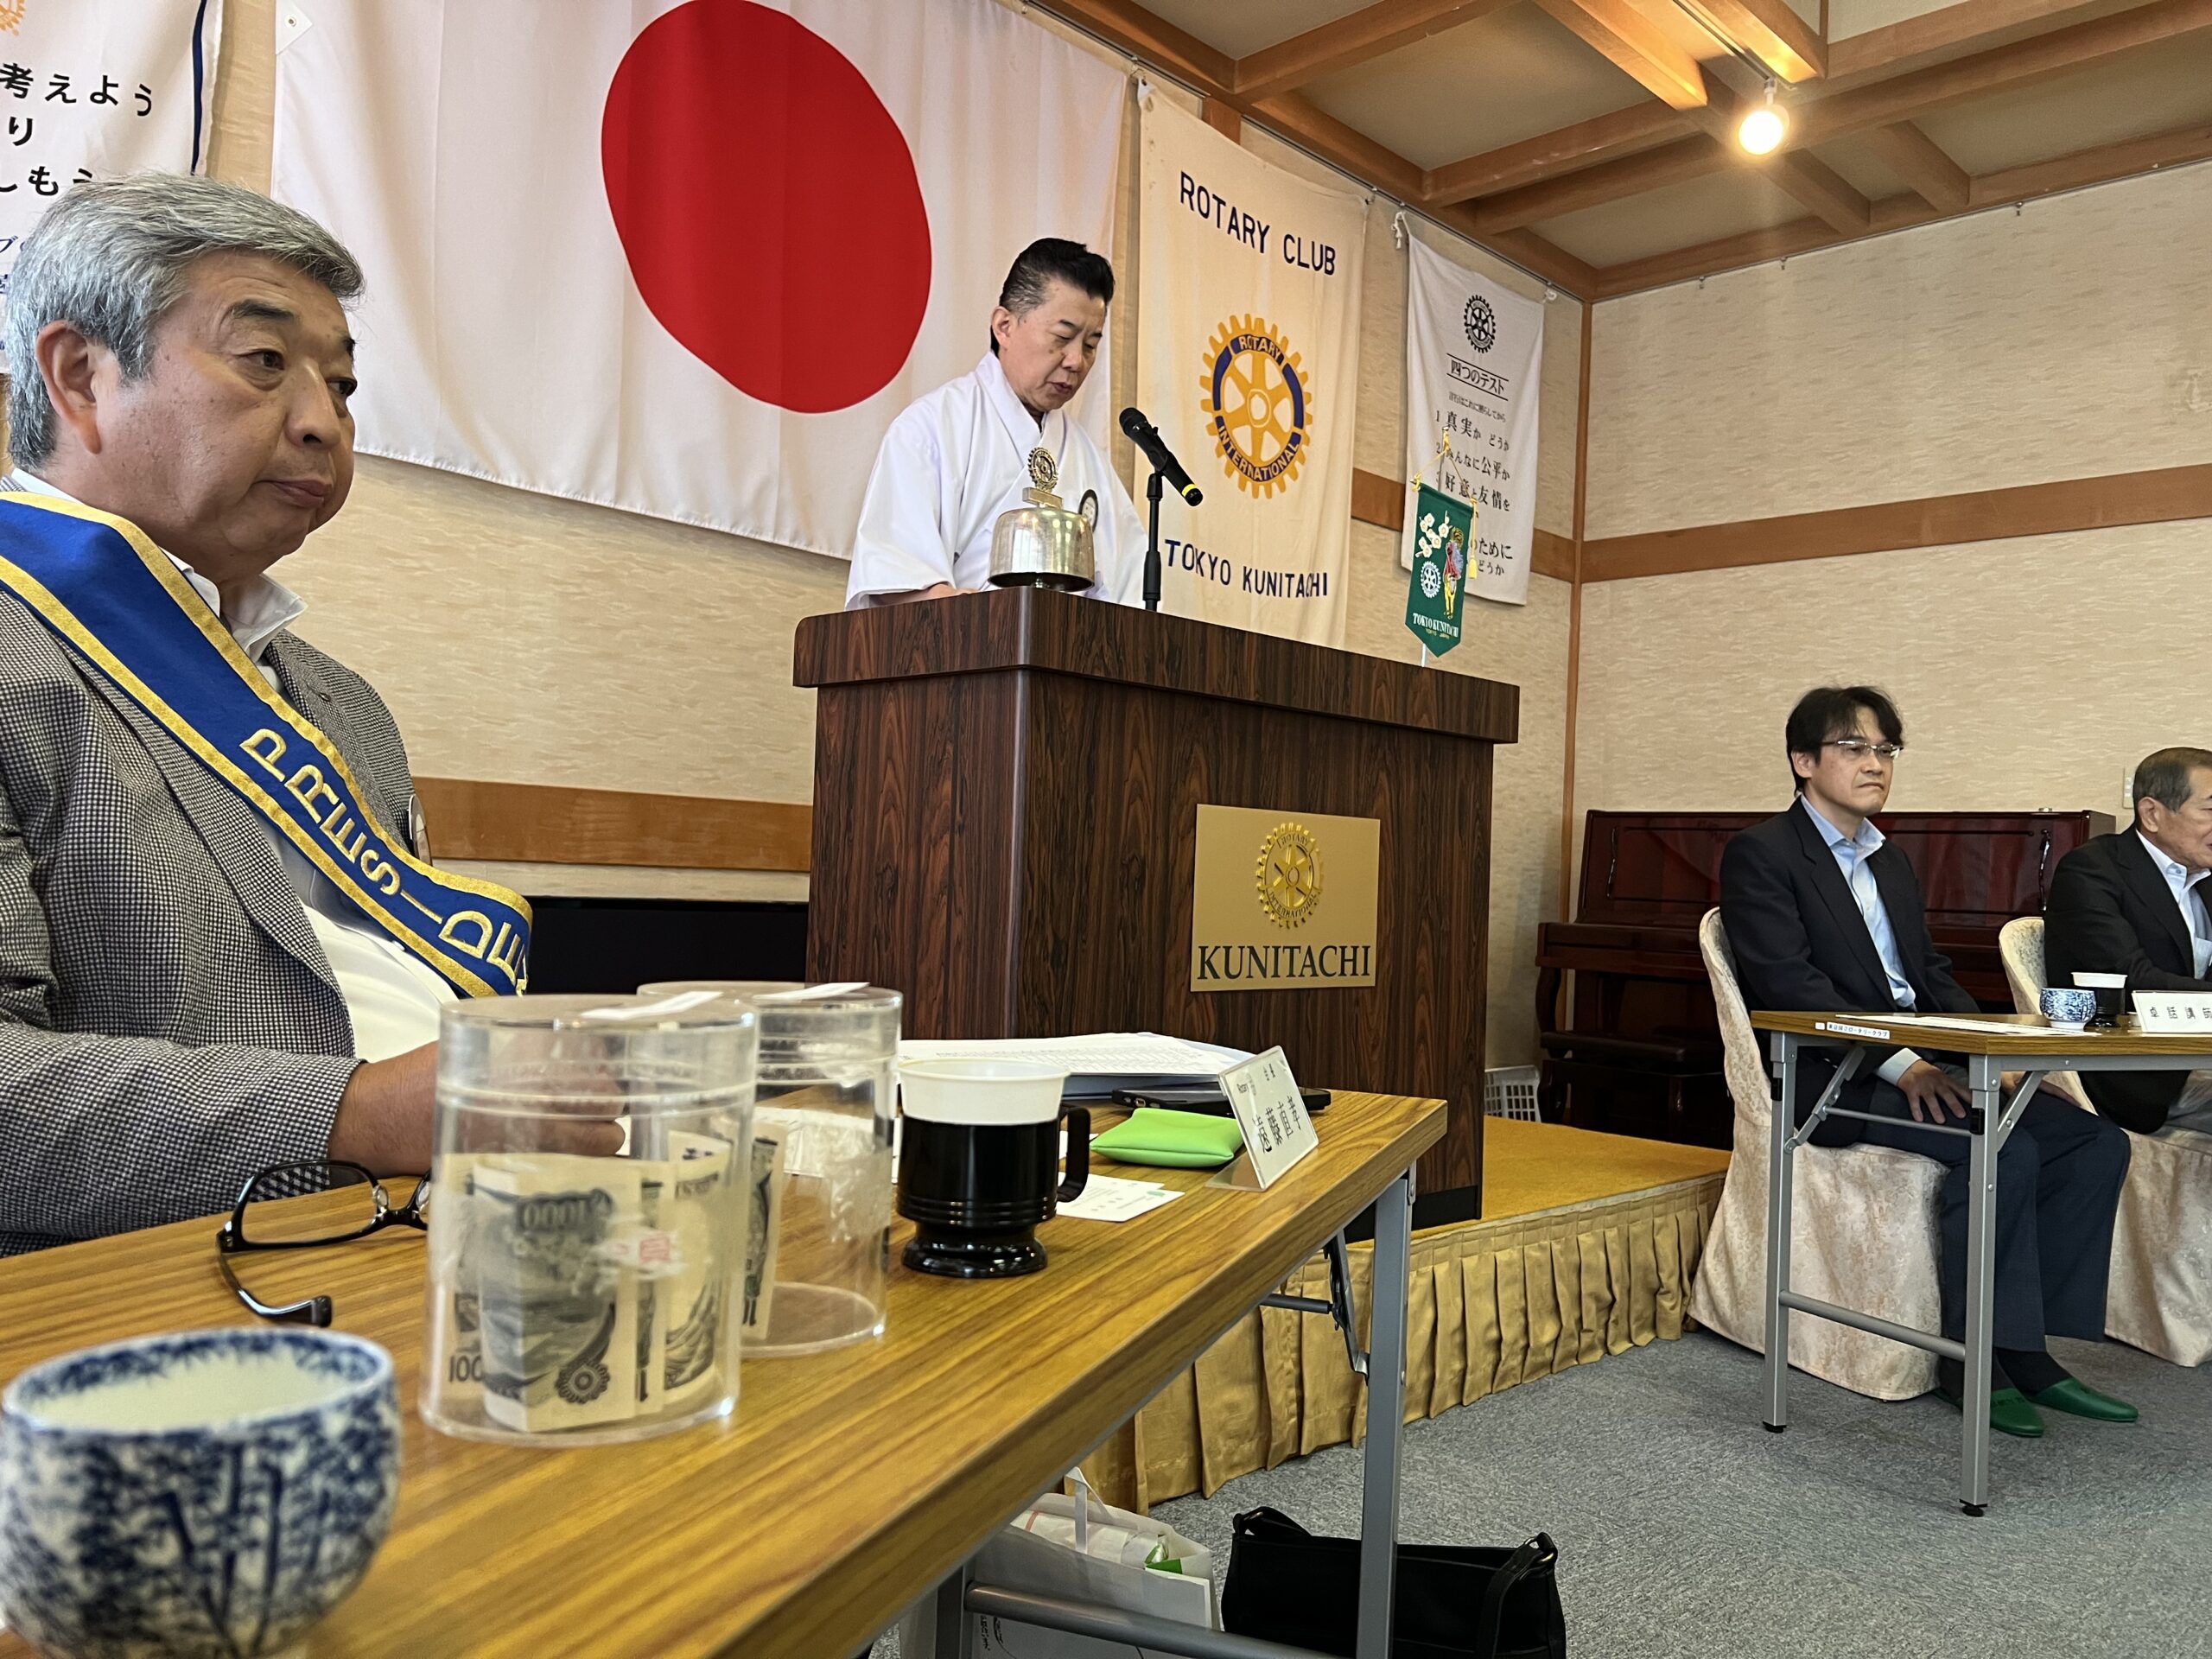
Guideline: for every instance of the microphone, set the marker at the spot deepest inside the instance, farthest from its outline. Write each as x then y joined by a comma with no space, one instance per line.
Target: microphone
1146,437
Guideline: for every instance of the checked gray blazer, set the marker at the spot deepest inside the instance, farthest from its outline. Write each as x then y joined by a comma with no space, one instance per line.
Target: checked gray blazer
168,1024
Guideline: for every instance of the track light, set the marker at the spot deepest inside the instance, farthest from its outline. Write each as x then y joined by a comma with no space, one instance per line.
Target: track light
1762,129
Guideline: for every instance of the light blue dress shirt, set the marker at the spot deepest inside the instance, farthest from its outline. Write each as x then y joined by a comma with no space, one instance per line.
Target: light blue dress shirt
2179,880
1852,853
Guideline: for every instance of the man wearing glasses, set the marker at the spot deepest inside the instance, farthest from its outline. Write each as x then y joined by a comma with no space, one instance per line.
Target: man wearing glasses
1822,916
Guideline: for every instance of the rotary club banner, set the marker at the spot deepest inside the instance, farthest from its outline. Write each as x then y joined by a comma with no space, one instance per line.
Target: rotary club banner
1474,358
1249,365
685,258
1443,531
91,89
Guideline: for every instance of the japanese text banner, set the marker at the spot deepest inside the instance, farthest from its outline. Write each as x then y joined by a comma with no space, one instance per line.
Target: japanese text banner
1474,357
90,89
1248,363
685,258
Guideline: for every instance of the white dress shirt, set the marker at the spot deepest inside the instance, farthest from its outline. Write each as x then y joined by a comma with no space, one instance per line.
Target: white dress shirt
1852,853
392,999
951,463
2180,879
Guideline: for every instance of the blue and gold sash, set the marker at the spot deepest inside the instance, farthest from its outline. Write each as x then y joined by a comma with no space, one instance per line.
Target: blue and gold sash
115,599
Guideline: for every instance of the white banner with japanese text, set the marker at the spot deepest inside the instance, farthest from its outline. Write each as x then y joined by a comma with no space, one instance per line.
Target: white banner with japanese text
90,89
1248,364
685,258
1474,358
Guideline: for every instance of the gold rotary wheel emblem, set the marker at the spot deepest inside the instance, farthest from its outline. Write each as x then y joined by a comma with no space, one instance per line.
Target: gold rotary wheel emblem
1257,399
1289,874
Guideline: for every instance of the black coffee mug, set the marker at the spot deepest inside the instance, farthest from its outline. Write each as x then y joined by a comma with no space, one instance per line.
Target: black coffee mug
2112,1000
977,1171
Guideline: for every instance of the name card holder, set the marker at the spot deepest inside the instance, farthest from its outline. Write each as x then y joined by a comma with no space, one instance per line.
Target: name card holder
1278,1131
2173,1013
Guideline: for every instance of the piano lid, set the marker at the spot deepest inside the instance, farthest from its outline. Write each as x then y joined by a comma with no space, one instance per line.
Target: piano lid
1977,869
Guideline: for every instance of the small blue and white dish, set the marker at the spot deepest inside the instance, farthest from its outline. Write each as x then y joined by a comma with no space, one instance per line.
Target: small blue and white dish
2067,1008
208,1494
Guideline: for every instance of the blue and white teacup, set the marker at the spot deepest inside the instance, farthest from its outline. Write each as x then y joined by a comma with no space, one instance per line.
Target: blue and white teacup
208,1494
2067,1008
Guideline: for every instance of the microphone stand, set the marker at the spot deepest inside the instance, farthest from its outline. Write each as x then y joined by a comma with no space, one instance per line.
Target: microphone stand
1152,492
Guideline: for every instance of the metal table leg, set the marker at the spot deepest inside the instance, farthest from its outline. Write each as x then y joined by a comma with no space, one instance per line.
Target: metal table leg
1985,1079
1386,1413
1779,1212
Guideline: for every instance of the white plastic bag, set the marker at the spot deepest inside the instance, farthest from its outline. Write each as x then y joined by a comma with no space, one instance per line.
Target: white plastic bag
1079,1549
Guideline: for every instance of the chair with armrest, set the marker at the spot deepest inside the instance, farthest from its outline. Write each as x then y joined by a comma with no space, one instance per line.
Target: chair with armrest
1863,1233
2160,1295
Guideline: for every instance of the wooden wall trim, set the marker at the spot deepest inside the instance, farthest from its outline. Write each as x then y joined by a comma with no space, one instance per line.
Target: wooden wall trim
1379,501
1578,549
546,823
2148,498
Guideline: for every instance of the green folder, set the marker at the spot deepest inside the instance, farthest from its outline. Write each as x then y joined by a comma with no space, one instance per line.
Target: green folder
1171,1139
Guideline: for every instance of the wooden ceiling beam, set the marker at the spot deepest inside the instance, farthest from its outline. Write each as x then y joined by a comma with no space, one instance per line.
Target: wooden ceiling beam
1639,47
2099,166
1686,158
1920,162
1771,31
1907,97
1817,185
1755,248
1883,104
1134,29
1970,25
1341,44
2102,165
1586,144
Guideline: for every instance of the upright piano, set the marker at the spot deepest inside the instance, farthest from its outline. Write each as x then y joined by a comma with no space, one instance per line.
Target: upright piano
1639,1051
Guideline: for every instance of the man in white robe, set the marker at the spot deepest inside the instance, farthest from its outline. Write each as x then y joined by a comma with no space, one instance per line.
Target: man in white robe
956,459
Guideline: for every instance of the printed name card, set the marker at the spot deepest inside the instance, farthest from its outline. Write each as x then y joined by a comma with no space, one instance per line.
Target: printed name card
1265,1097
2173,1012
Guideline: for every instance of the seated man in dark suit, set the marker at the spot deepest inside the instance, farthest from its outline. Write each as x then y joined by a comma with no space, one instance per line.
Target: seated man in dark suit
2134,904
1822,916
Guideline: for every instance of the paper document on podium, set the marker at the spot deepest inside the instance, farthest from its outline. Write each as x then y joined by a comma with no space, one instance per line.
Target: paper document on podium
1097,1064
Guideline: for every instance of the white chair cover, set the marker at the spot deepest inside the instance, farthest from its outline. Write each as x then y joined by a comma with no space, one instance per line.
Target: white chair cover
1862,1233
2160,1298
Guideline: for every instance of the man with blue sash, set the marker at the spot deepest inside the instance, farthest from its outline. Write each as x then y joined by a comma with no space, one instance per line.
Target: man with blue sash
222,945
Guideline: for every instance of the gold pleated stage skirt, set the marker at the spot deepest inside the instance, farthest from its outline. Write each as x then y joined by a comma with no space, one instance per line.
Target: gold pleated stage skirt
1586,1249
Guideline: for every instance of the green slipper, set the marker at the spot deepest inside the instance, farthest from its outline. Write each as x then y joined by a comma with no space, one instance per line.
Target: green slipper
2009,1412
2077,1399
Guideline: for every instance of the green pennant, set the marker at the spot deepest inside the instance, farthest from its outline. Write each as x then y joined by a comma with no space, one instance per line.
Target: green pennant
1444,532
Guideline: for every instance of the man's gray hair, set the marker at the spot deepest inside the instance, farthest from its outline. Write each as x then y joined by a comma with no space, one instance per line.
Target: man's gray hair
110,258
2165,777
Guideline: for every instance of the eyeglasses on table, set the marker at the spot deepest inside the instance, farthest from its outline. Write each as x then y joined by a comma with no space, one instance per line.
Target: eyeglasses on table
303,1206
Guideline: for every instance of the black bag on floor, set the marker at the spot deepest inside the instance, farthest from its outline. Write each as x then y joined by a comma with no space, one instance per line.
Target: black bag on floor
1284,1584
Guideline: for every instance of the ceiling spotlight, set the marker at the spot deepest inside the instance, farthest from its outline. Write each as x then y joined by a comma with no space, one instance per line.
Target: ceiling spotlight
1762,129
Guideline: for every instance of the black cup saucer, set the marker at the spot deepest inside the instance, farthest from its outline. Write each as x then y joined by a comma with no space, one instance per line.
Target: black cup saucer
974,1255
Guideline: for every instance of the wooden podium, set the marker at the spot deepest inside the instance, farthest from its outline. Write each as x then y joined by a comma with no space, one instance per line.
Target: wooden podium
1005,795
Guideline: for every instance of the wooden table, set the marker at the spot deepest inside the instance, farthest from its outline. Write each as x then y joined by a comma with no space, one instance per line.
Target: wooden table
1989,1054
849,1483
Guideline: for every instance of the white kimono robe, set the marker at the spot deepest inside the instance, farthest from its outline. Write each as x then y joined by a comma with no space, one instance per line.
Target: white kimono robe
951,463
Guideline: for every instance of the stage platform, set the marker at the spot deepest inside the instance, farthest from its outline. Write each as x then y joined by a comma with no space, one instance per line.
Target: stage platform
1585,1248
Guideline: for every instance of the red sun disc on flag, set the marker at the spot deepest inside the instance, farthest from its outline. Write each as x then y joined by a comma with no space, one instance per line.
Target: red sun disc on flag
767,204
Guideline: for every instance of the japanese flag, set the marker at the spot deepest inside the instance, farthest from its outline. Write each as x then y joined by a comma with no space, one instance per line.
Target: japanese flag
686,258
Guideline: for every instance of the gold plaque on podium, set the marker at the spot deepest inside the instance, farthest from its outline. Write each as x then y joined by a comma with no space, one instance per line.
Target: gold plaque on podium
1283,900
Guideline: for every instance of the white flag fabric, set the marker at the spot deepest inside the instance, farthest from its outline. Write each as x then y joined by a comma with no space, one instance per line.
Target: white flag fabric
90,89
1248,364
1474,359
685,259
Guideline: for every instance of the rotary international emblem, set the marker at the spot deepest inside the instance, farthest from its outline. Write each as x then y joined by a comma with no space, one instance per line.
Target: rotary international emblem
1289,874
1257,399
1482,324
1043,471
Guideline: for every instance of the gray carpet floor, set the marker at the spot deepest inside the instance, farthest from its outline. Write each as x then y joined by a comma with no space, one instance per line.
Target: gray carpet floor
1684,1527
